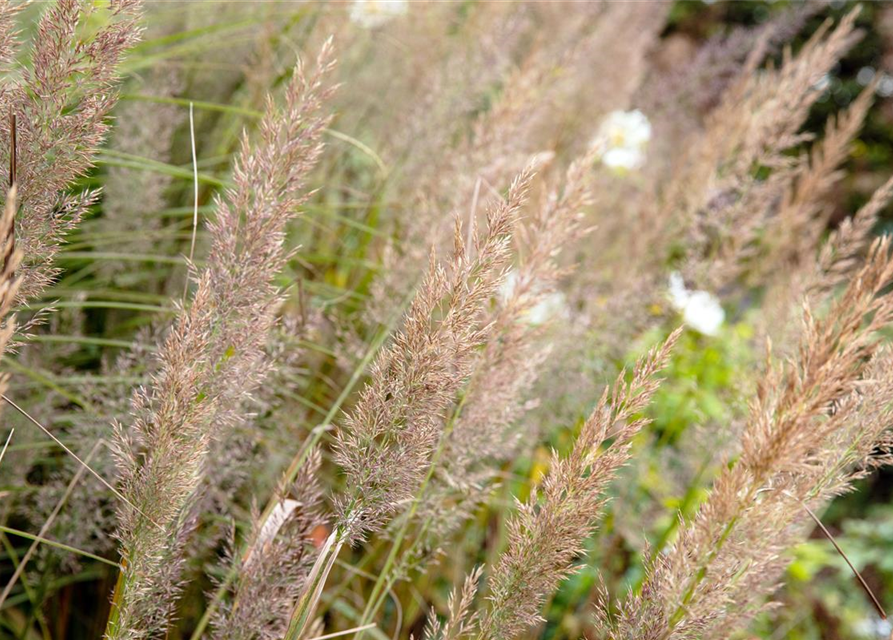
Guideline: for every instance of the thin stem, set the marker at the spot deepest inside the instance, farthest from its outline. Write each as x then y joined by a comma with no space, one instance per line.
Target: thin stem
688,500
316,582
58,545
699,576
297,462
29,594
46,525
75,456
874,600
6,444
378,590
195,193
343,633
13,169
13,177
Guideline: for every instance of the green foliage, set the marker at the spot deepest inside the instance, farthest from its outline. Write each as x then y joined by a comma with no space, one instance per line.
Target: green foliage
702,383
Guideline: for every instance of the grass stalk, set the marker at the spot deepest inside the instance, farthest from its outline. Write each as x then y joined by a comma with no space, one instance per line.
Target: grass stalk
384,582
300,459
316,582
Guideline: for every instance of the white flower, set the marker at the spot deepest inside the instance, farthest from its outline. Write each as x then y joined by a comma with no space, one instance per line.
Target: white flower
622,138
626,129
704,313
700,310
508,285
623,158
678,292
374,13
553,305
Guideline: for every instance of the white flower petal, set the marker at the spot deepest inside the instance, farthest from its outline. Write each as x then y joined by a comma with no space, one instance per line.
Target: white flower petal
623,158
553,305
508,285
700,310
374,13
678,292
704,313
622,138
